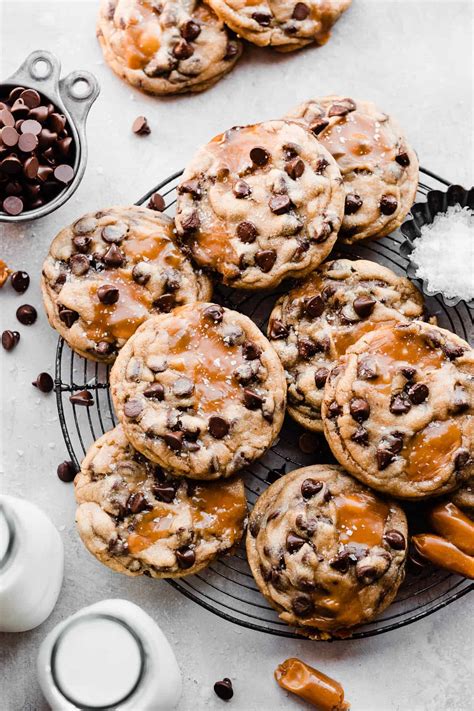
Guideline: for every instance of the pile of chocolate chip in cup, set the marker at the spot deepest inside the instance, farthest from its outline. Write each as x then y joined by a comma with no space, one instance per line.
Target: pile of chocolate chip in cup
37,151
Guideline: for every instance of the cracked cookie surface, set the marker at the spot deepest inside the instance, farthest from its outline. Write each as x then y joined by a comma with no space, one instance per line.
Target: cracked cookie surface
398,410
283,24
260,203
379,168
325,551
200,391
137,520
312,326
109,271
166,46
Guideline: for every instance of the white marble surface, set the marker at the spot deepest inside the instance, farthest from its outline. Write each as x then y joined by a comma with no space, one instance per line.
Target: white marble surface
412,57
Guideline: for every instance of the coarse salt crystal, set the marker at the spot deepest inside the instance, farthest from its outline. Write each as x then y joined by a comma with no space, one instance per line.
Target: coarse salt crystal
444,253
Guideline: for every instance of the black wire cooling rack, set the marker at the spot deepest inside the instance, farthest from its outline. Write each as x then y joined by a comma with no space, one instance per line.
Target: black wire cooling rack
227,587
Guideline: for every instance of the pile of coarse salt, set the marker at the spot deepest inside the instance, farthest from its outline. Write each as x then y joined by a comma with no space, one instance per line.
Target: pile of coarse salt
444,253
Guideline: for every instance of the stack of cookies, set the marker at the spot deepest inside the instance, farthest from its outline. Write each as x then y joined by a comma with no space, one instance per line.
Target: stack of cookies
178,46
200,392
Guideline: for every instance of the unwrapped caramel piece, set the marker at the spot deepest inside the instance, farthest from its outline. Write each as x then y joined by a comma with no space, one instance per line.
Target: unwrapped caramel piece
4,273
444,554
451,523
324,693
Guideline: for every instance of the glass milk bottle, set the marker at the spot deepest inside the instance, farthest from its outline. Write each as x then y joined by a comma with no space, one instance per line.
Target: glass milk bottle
31,565
110,655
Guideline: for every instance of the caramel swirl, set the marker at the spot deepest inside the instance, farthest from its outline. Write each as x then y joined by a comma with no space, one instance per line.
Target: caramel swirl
141,38
313,686
357,140
432,449
361,519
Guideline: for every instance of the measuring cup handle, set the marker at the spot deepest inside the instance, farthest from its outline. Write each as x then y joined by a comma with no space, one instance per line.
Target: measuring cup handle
42,69
78,91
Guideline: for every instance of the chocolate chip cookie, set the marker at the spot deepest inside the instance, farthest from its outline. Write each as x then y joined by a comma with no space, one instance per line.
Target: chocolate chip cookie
199,391
109,271
283,24
464,496
314,324
260,203
325,551
137,520
166,46
379,169
398,410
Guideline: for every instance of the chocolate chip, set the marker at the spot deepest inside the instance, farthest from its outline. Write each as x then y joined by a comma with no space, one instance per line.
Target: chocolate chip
20,281
56,122
12,205
79,264
342,108
306,347
453,351
260,156
155,391
320,377
295,168
214,312
251,351
363,306
353,203
82,243
308,443
367,369
9,136
408,372
324,232
83,398
26,314
66,471
359,409
113,234
418,392
300,11
302,606
64,173
387,450
395,540
85,225
156,202
223,689
185,558
232,50
68,316
403,159
44,383
314,306
191,223
247,232
318,125
361,436
133,408
340,562
164,303
366,574
252,400
461,458
137,503
31,98
241,189
140,126
190,30
278,330
192,187
108,294
10,339
104,348
265,259
334,410
280,204
294,542
164,492
388,204
174,440
460,402
31,167
114,258
183,387
400,404
218,427
310,487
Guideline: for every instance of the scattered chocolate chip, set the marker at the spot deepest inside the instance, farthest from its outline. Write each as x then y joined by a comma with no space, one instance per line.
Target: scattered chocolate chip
318,125
31,98
342,108
247,232
278,330
190,30
26,314
214,312
308,443
185,558
137,502
460,402
113,234
68,316
408,372
340,562
400,404
366,574
155,391
140,126
462,457
232,50
403,159
164,492
314,306
82,243
191,223
251,351
108,294
9,136
306,347
388,205
361,436
156,202
302,606
83,398
359,409
280,204
265,259
174,440
418,392
334,410
192,187
395,540
353,203
252,400
320,377
367,369
20,281
310,487
164,303
300,11
223,689
388,448
294,542
104,348
295,168
44,383
241,189
363,306
64,173
66,471
218,427
452,351
133,408
324,232
183,50
183,387
113,258
79,264
10,339
260,156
